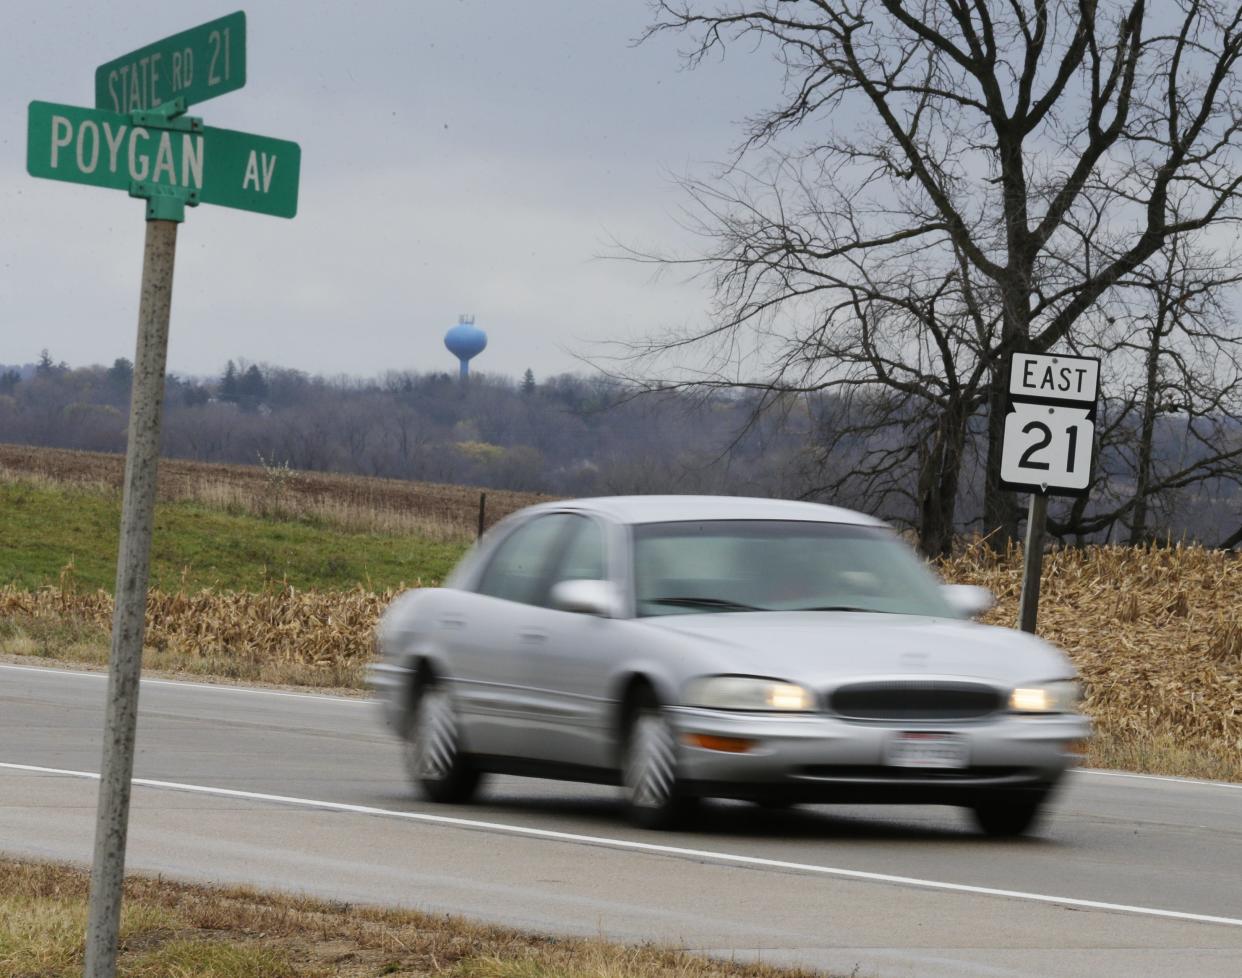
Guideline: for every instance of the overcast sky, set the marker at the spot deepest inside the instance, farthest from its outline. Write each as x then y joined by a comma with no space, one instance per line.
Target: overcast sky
458,156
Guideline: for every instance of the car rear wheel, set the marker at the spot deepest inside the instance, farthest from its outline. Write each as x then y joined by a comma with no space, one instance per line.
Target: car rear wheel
433,755
655,798
1008,813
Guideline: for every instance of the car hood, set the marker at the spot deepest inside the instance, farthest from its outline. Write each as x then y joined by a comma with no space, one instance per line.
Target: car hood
823,647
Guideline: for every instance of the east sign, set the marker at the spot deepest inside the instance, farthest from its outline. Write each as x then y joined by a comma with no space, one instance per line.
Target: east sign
1049,434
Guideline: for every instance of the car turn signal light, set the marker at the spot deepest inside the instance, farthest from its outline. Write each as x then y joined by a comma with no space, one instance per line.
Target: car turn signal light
729,745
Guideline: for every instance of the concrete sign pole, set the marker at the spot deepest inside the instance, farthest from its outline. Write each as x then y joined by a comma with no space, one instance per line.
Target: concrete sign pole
174,162
1033,562
128,623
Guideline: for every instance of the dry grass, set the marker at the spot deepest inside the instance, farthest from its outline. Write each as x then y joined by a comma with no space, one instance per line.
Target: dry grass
355,503
278,635
1156,633
193,931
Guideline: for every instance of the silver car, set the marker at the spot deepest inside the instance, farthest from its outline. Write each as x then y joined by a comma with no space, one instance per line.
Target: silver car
702,646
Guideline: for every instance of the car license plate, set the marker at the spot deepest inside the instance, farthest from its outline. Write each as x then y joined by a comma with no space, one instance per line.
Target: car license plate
928,750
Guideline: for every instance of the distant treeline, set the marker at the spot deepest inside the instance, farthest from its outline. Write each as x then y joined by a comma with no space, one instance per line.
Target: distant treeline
565,435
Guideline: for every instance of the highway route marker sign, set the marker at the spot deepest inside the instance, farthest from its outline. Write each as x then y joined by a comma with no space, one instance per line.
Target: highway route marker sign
1047,447
195,65
1050,424
137,138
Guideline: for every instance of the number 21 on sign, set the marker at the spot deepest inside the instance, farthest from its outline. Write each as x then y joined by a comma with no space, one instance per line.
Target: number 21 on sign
1047,445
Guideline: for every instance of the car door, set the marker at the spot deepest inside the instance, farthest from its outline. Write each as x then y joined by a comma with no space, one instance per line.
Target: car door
485,632
569,658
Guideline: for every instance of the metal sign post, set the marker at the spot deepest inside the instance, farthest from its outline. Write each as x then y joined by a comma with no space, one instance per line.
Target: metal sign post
1033,561
138,139
1047,447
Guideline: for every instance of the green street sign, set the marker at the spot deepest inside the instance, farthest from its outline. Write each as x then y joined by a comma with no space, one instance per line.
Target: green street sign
211,166
251,173
195,65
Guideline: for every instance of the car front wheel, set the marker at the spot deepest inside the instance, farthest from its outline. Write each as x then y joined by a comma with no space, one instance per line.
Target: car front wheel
1009,813
433,754
655,799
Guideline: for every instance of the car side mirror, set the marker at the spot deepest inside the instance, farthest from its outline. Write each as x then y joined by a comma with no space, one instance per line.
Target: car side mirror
598,598
968,600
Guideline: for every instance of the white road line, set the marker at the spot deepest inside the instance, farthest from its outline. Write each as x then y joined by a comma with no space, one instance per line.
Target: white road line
225,687
363,701
701,855
1096,772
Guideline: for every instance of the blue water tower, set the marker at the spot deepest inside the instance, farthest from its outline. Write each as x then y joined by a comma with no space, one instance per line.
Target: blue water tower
465,341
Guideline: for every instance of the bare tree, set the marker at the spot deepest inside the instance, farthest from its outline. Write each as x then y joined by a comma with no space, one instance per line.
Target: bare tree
987,145
1172,420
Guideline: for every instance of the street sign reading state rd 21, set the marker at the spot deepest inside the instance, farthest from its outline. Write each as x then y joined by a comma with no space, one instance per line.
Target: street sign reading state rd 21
198,64
105,149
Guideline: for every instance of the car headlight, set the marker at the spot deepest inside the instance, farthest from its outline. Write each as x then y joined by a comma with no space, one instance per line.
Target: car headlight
1062,696
748,693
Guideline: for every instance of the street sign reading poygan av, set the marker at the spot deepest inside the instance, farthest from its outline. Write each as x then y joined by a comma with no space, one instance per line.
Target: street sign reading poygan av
1049,436
105,149
198,64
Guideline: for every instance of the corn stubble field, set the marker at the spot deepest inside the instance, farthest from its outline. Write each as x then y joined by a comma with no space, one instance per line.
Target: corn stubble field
1155,631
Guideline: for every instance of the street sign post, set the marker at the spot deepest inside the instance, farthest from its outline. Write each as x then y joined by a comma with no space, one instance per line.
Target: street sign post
195,65
1047,447
138,139
147,153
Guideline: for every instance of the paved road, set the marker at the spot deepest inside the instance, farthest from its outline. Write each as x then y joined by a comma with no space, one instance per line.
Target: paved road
1128,877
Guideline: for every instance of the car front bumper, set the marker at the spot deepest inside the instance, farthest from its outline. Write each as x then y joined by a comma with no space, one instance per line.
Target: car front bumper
818,757
389,682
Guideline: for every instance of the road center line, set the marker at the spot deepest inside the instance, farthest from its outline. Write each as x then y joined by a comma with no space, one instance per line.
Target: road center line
700,855
257,690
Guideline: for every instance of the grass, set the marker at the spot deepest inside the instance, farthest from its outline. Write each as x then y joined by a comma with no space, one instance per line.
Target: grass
432,511
1165,752
194,931
47,527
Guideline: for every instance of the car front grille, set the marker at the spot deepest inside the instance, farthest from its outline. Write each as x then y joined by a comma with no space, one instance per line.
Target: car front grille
915,699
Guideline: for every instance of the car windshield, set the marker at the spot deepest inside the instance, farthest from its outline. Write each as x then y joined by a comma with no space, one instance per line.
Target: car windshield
778,565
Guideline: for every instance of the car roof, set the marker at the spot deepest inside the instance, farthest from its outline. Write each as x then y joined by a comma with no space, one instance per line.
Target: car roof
670,509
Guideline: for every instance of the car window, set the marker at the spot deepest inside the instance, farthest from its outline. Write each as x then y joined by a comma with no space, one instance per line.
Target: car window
778,565
518,568
583,558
